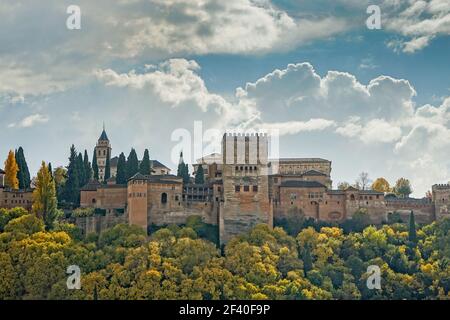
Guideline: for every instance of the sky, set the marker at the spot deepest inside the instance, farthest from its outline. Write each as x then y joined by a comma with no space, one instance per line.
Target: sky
372,100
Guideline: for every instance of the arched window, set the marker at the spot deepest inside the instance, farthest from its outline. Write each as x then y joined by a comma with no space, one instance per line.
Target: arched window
352,197
164,198
93,200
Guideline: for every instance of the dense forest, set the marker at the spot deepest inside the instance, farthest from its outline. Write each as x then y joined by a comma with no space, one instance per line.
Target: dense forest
319,262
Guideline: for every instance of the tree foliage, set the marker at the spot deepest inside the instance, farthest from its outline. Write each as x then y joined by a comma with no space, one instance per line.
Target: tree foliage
132,164
175,263
11,169
121,175
200,175
144,166
381,185
403,188
23,175
44,197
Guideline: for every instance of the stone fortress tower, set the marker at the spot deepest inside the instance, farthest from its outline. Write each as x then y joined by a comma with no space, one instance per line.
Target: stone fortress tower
103,152
245,178
441,200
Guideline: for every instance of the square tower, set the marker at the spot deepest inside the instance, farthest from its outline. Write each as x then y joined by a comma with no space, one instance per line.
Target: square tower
102,152
245,184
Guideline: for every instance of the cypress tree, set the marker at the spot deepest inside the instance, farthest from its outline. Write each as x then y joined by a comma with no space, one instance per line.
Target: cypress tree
186,176
72,187
144,167
107,167
412,235
132,164
50,170
95,165
81,172
23,175
200,175
87,167
121,176
307,260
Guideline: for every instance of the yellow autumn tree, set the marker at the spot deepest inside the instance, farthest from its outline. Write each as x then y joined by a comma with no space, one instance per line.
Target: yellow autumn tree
381,185
11,169
44,197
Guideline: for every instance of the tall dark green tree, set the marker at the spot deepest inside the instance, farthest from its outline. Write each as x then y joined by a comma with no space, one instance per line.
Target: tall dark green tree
180,169
307,259
200,175
87,167
50,170
108,166
121,176
95,166
82,175
132,164
412,234
144,166
23,175
186,175
72,187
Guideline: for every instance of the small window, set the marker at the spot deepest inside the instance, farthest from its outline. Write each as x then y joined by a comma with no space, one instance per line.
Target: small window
246,188
237,188
164,198
255,188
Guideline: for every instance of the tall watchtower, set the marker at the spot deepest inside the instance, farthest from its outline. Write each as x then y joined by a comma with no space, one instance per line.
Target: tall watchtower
245,184
103,152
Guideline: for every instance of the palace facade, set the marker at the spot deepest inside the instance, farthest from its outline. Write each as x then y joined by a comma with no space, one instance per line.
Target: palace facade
243,188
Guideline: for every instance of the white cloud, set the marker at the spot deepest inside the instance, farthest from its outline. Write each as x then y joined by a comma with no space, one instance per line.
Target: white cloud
30,121
420,21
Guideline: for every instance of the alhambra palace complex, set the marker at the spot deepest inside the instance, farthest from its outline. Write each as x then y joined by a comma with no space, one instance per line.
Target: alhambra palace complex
242,188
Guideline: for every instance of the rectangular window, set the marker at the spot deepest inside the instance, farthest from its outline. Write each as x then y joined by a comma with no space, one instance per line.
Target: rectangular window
237,188
255,188
246,188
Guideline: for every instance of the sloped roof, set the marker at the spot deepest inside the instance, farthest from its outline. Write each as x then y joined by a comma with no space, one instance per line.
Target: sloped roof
302,184
103,136
314,173
92,185
157,164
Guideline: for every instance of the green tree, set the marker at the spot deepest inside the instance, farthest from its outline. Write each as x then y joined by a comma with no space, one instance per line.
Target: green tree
121,176
72,186
412,234
108,166
186,175
81,172
87,167
23,175
44,197
307,259
403,188
132,164
200,175
144,166
50,170
60,177
95,165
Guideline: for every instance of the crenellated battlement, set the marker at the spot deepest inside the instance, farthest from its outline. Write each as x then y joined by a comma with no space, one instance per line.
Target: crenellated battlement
444,186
